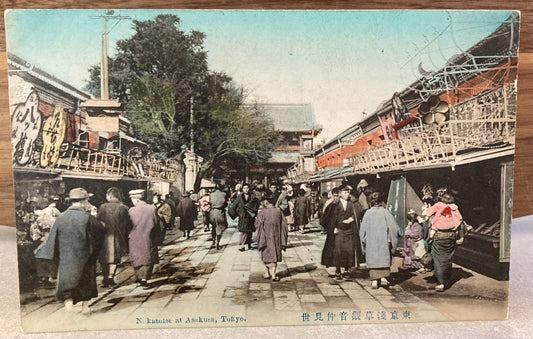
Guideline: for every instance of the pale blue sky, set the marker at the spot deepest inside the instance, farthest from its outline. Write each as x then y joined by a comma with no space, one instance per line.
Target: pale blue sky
343,62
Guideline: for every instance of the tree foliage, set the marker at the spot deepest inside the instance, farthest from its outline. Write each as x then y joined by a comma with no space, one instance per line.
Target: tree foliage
241,137
155,73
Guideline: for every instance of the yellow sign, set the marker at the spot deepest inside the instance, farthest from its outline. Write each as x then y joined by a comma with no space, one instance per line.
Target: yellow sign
53,135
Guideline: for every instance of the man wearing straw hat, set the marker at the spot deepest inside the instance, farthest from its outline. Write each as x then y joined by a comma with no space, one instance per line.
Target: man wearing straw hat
77,237
143,236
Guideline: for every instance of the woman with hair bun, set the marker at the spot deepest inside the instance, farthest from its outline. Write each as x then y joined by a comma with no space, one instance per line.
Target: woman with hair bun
446,220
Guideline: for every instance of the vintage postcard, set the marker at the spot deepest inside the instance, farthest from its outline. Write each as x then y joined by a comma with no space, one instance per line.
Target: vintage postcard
202,168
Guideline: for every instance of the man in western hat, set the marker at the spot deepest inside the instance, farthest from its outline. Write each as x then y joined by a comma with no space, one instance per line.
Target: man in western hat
77,238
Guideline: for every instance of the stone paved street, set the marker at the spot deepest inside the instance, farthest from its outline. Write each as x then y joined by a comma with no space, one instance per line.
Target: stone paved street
194,285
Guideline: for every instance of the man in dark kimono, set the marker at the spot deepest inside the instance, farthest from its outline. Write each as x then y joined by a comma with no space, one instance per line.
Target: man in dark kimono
272,235
344,224
76,238
172,200
143,237
217,215
116,220
302,210
273,193
327,223
187,212
165,219
247,206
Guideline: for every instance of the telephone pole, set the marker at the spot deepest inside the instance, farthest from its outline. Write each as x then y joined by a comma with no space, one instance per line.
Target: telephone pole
192,123
104,71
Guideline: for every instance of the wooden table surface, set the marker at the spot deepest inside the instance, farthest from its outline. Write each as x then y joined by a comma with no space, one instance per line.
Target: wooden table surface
523,179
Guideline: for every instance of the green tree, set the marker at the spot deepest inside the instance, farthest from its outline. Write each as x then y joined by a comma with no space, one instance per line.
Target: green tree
231,137
156,72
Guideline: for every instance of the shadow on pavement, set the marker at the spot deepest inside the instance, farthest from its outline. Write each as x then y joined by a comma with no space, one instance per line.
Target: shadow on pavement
298,269
459,274
401,276
303,243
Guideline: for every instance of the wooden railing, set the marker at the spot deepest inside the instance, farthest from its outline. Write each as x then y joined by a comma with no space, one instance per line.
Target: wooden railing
482,122
81,159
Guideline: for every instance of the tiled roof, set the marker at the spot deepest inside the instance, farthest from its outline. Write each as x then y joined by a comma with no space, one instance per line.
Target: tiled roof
289,117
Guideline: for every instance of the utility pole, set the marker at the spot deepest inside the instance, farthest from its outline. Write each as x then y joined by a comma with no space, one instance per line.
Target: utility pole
104,71
192,123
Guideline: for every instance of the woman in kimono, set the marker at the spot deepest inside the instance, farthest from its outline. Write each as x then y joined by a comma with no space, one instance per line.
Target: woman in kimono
246,206
414,248
379,236
286,205
39,231
272,235
443,235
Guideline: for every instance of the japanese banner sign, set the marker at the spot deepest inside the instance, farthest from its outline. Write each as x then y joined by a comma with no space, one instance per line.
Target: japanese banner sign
53,135
25,128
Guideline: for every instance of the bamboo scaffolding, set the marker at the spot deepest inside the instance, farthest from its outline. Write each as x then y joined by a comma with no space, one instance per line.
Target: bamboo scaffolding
483,122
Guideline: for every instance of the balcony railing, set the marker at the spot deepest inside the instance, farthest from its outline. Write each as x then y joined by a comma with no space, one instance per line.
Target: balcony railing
484,122
85,160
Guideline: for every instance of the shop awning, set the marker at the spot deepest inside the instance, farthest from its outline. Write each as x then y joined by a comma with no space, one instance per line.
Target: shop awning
333,173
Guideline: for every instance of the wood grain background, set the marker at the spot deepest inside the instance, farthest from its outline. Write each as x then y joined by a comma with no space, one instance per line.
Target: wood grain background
523,180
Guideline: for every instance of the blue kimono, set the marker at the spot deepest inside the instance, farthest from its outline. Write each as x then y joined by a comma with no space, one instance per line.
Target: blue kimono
379,236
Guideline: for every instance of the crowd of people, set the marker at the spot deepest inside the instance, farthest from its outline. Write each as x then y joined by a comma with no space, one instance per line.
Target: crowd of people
360,232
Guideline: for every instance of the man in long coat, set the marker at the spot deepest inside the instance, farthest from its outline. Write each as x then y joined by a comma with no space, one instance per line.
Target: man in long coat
187,212
272,235
76,238
165,216
172,200
143,237
379,236
116,220
302,210
217,215
247,206
344,225
326,220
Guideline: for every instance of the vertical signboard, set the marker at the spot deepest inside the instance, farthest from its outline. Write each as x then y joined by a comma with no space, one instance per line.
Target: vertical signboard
396,204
